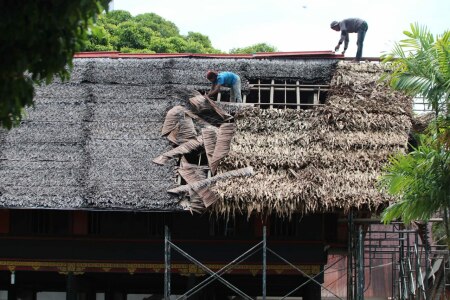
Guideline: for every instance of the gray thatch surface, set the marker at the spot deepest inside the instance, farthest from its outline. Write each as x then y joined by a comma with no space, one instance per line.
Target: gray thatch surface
319,160
89,143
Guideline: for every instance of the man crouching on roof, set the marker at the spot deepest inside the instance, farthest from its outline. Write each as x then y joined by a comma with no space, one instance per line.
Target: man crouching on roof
227,79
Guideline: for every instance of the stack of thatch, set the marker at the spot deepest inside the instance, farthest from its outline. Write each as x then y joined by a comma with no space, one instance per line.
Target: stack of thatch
324,159
201,125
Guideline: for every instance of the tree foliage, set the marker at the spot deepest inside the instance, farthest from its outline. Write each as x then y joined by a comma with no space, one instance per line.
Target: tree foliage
421,179
420,65
38,40
149,33
144,33
261,47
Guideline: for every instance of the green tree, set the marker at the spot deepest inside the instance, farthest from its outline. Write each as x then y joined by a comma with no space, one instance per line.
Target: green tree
131,35
421,179
420,65
161,45
179,45
38,40
261,47
99,39
203,40
158,24
115,17
145,33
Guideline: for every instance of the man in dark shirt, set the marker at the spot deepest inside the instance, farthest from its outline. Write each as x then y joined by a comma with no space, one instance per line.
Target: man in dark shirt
352,25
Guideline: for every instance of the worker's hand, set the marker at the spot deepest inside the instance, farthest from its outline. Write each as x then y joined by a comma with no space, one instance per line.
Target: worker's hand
336,48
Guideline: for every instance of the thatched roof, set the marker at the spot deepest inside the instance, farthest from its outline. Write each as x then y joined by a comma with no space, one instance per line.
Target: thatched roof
89,143
325,159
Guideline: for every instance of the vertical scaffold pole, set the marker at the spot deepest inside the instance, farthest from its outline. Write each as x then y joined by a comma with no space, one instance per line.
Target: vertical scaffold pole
349,257
264,263
360,264
167,263
427,257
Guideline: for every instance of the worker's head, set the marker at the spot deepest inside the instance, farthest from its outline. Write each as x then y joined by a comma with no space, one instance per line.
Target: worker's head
211,75
335,25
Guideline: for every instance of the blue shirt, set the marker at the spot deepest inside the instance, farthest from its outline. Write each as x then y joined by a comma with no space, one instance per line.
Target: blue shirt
226,79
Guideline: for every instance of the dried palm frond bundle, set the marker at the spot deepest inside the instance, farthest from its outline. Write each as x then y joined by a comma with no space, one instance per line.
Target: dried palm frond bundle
199,190
178,125
210,112
324,159
215,139
187,147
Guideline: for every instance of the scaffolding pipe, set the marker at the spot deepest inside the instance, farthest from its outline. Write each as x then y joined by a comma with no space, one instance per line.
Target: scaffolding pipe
427,257
360,262
223,270
210,272
167,263
349,257
264,248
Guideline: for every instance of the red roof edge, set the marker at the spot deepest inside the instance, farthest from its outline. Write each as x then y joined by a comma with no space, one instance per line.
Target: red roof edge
259,55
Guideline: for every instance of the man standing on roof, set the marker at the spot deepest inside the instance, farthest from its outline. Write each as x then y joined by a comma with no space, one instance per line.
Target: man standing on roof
352,25
227,79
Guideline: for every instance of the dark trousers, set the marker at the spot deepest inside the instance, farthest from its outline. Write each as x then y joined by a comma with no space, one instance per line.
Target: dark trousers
360,42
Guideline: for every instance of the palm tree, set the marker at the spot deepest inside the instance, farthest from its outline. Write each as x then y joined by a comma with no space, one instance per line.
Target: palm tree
421,179
420,65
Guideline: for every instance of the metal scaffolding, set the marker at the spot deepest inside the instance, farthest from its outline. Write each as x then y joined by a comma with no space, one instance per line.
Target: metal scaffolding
213,276
418,268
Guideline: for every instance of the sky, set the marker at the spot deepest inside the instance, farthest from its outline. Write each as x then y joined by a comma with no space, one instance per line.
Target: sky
295,25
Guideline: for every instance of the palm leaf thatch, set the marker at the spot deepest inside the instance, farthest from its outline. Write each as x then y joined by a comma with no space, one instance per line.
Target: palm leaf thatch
247,171
210,111
199,189
222,147
199,198
186,147
178,125
319,160
209,139
192,173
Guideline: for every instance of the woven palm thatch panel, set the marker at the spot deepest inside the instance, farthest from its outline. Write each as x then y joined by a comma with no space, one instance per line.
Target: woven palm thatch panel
324,159
89,143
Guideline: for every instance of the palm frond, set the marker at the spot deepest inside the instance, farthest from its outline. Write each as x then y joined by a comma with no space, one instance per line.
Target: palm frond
172,119
184,148
209,138
420,181
247,171
192,173
223,144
